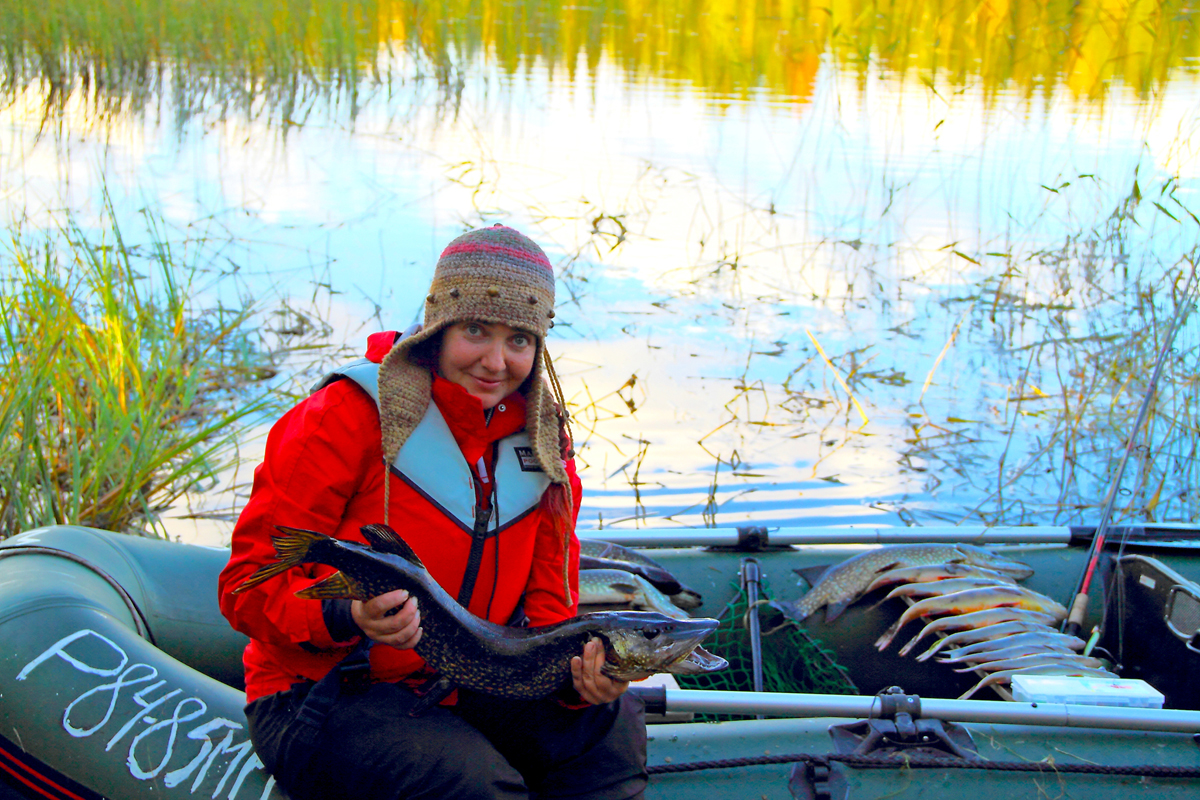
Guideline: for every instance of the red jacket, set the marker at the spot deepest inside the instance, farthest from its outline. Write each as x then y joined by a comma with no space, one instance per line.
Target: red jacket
323,470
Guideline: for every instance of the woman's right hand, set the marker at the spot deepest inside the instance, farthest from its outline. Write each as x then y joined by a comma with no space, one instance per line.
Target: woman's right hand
401,628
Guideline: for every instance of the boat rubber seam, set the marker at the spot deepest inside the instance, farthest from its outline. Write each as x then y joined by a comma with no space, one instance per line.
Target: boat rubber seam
139,620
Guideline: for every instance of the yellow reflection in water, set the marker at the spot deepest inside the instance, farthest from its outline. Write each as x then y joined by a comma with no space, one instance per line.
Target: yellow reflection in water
723,48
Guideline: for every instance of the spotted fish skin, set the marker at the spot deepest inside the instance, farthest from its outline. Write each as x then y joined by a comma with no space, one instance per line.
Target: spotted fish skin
844,583
517,663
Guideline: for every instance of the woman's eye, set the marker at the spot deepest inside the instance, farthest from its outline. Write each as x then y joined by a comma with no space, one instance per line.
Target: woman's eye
473,329
520,341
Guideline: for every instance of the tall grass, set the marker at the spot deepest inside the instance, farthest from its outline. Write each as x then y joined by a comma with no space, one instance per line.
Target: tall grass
118,393
285,53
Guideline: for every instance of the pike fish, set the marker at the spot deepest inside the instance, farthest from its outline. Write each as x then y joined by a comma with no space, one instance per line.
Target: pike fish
984,633
844,583
979,619
970,600
617,587
517,663
595,554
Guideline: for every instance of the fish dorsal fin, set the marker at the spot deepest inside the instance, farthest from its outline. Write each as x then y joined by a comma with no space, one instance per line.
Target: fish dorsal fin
386,540
337,585
812,575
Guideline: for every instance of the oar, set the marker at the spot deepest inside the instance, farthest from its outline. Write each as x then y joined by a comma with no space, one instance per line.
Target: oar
1074,623
993,712
759,538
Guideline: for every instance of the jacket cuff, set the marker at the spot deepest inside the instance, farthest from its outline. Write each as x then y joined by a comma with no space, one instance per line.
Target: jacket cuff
339,621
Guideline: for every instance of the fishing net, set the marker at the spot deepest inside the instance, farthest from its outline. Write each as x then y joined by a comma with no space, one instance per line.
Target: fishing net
792,661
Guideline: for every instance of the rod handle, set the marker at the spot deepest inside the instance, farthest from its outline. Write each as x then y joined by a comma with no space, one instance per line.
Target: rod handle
1075,618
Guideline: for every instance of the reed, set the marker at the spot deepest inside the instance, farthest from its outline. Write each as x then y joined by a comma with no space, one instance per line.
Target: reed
288,53
118,394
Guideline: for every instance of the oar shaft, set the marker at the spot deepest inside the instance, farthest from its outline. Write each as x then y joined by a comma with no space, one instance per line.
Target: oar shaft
978,711
732,537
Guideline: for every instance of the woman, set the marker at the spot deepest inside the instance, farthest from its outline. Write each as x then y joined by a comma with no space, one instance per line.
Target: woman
451,435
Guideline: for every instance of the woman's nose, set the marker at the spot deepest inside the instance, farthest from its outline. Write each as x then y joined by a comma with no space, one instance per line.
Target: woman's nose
493,357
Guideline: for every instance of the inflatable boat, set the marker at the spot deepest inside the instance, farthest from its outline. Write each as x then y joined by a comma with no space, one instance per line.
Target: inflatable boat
120,679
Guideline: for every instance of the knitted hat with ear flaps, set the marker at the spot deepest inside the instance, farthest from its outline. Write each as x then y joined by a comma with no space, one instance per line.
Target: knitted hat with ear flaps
494,275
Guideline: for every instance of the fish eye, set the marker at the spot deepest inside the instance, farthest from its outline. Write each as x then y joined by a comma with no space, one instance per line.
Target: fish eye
650,634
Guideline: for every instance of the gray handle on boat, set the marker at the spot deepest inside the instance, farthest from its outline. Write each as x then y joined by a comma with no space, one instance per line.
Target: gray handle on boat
734,537
984,711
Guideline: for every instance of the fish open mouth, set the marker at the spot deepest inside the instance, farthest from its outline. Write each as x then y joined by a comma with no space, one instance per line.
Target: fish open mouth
697,662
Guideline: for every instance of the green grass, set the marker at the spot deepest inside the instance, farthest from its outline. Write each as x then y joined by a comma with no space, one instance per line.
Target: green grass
117,393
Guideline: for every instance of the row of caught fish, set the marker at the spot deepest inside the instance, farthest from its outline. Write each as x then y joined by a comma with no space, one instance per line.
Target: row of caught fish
997,627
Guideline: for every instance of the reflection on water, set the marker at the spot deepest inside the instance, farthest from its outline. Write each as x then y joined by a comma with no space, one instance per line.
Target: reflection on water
820,264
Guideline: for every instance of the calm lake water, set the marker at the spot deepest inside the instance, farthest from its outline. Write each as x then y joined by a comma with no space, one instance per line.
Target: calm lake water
819,264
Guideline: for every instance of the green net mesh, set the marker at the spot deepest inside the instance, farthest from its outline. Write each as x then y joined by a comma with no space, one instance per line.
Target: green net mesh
792,661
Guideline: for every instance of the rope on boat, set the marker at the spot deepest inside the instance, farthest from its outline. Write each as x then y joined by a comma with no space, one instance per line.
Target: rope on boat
931,762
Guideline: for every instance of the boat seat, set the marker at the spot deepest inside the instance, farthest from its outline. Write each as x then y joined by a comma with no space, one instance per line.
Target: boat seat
1159,638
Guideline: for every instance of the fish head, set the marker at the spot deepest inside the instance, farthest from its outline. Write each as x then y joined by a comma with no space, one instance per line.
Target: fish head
982,557
638,644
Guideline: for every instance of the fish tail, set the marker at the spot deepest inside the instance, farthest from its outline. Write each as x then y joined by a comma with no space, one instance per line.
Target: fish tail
883,641
932,627
928,654
989,680
290,549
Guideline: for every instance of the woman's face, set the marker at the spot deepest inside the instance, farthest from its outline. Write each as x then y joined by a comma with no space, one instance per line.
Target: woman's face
488,359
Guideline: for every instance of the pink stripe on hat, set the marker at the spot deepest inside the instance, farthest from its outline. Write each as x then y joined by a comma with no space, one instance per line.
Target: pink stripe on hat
495,249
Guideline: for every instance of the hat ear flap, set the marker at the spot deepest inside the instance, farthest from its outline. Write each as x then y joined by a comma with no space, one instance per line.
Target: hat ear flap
543,423
405,391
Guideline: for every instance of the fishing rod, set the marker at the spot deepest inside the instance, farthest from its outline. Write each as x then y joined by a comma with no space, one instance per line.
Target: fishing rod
1074,622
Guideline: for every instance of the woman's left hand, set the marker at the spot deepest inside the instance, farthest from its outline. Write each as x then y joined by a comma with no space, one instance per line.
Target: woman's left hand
594,686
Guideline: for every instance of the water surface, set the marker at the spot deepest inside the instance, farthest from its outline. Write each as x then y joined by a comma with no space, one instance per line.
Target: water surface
837,263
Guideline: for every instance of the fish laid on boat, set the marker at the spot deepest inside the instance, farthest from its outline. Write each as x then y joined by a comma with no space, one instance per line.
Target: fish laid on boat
1005,676
844,583
979,619
596,554
931,573
1034,660
939,588
1048,638
1028,647
983,633
972,600
617,587
518,663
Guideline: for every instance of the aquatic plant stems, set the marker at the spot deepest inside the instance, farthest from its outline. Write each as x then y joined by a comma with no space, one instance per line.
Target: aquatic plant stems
980,711
1074,622
118,395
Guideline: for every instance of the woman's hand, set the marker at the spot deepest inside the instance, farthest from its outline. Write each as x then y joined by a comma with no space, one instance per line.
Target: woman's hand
594,686
392,619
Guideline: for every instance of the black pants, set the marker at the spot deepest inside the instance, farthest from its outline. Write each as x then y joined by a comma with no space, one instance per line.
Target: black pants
484,747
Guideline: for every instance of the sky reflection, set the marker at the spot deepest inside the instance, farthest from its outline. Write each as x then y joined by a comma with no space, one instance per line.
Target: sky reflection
704,243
